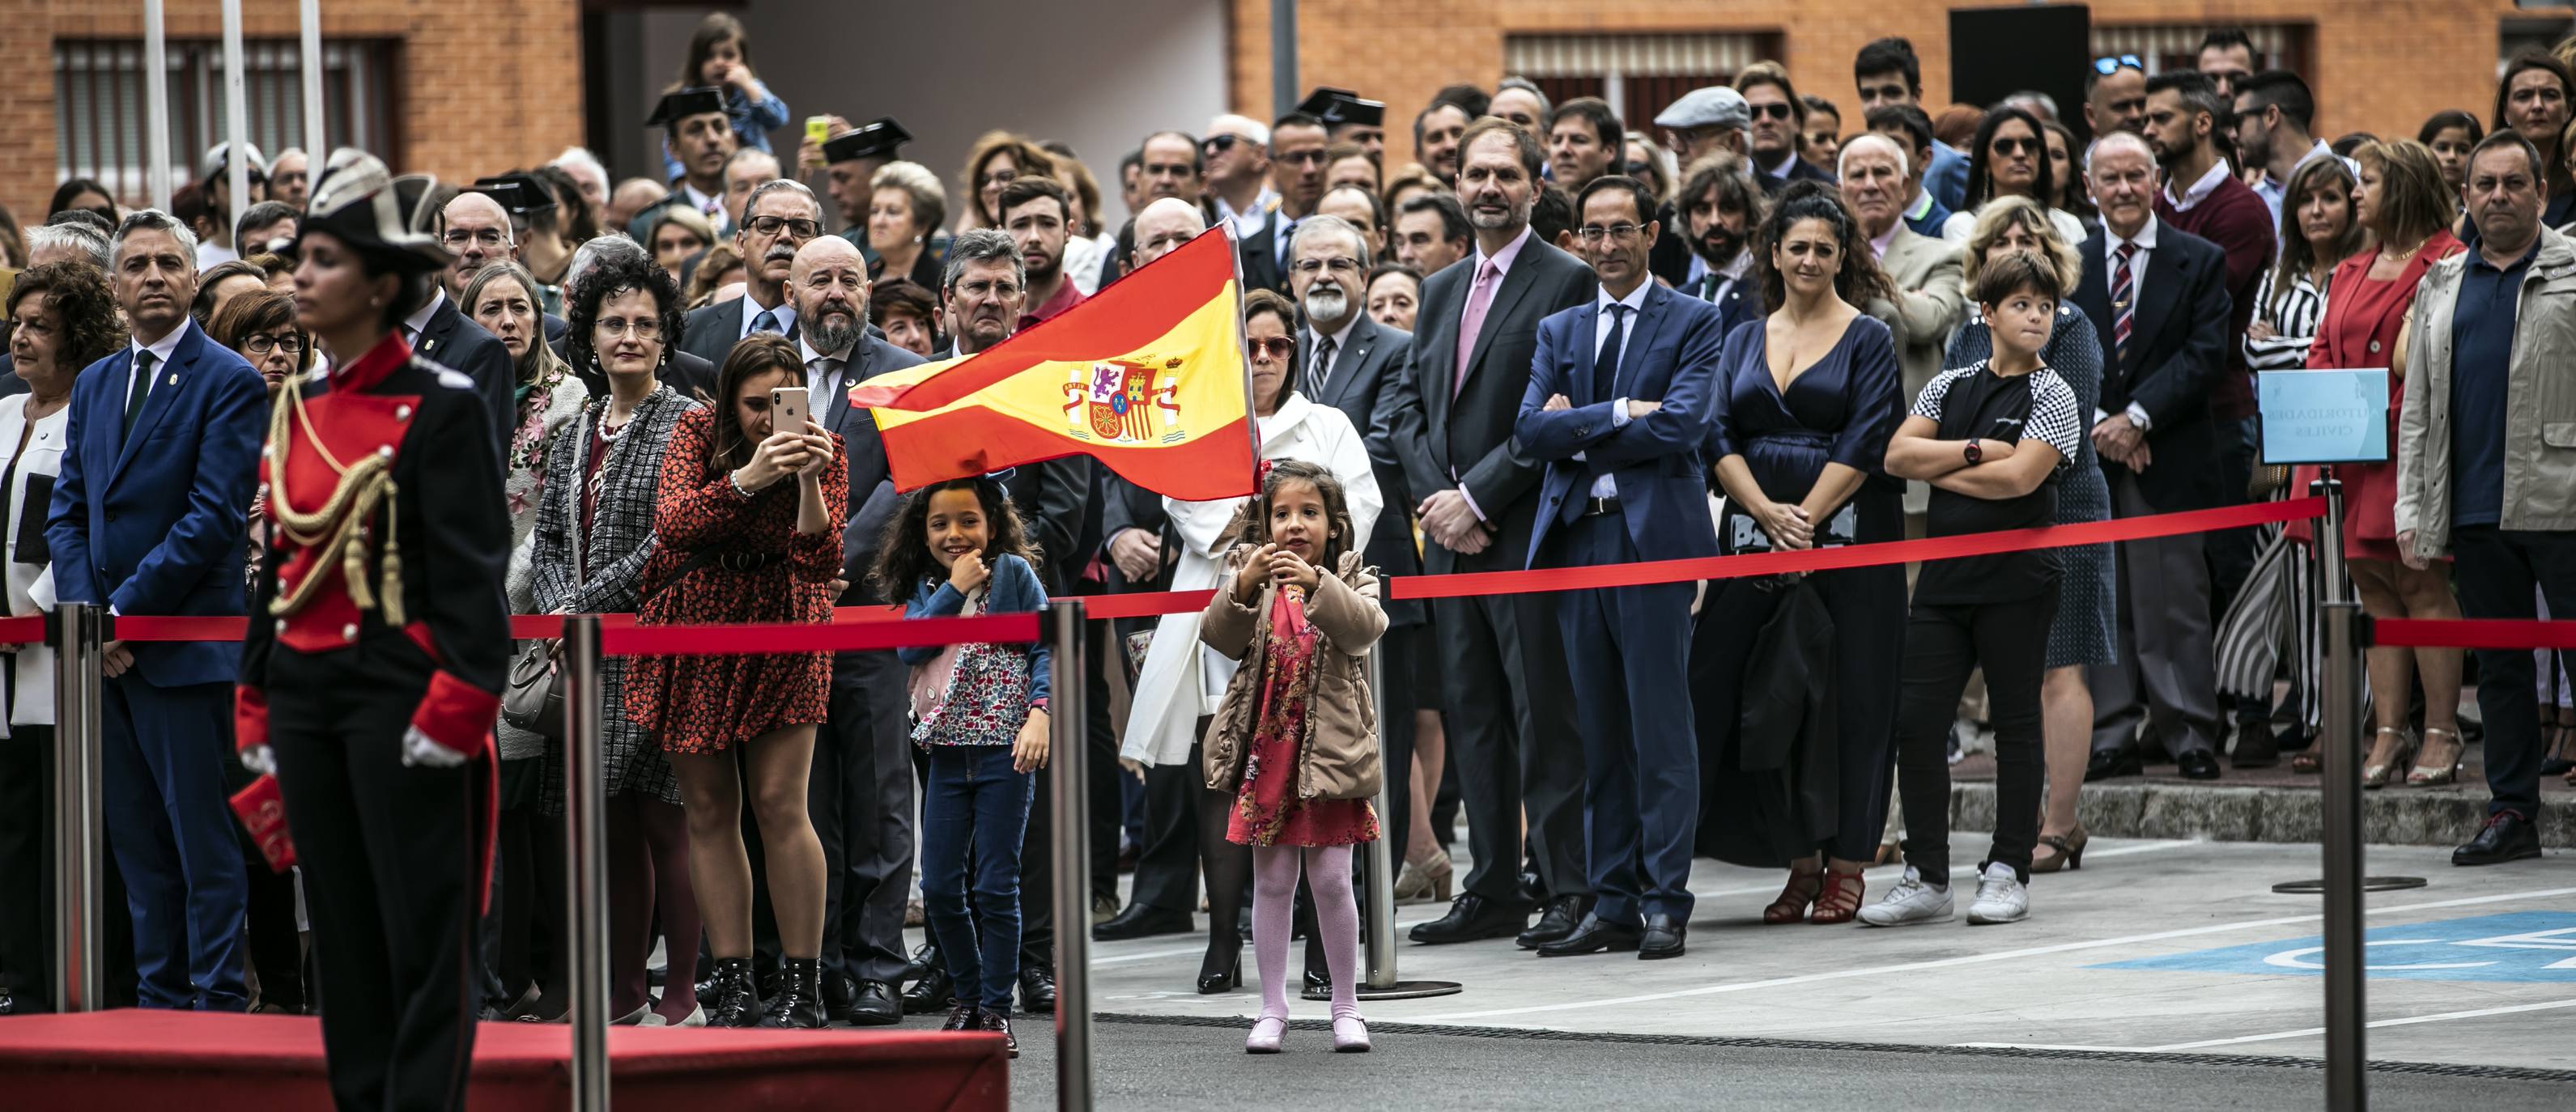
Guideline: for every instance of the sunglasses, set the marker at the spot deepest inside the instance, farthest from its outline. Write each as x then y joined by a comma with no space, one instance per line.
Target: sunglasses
1774,111
1276,347
2011,147
2111,65
1639,169
1215,145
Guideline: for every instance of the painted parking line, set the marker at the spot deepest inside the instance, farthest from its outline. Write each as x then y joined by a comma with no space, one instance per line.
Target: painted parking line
2301,1033
1978,959
2512,946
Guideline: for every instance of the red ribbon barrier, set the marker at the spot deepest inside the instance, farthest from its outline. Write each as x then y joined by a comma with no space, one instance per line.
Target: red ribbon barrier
1148,604
2455,633
1850,556
681,640
28,630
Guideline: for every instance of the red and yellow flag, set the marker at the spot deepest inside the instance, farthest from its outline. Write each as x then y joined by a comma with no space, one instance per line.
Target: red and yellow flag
1148,377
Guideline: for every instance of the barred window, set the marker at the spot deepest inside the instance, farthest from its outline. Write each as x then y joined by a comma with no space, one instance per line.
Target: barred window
2176,46
1639,75
99,107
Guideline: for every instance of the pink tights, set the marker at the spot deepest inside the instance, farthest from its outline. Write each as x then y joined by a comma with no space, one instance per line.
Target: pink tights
1337,915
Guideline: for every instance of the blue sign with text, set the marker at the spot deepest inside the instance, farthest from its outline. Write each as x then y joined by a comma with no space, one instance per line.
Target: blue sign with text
2338,416
2516,946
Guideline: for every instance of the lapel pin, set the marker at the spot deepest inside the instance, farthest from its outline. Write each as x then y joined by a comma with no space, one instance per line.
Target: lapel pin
174,380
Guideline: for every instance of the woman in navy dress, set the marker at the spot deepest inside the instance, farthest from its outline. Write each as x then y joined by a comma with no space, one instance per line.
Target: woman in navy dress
1807,399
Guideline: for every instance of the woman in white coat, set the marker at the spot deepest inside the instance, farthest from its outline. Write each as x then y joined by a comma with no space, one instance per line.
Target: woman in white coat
1182,681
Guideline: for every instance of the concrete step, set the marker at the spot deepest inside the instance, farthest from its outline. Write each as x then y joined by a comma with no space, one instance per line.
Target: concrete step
2218,811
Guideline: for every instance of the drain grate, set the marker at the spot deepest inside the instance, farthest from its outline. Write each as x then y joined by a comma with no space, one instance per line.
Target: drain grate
2429,1069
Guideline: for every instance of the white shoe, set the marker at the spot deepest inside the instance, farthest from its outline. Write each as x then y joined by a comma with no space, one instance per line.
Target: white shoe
2001,897
697,1017
1910,903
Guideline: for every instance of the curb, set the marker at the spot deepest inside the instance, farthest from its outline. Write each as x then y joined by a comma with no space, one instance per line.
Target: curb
2266,814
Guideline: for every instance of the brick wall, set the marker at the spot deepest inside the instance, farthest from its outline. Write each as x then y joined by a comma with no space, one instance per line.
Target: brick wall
2377,65
483,85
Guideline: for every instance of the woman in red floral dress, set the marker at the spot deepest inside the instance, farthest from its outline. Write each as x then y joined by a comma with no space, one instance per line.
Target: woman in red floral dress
750,528
1295,738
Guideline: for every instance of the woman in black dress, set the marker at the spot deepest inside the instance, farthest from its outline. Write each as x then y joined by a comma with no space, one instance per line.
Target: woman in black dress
1807,399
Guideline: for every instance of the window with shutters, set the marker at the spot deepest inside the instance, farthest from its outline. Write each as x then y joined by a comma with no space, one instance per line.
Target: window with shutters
99,108
1637,74
2176,46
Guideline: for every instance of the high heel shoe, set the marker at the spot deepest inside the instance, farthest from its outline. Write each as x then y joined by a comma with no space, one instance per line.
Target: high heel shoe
2430,773
1427,881
1801,891
1223,977
1267,1033
1839,901
2375,772
1350,1035
2070,851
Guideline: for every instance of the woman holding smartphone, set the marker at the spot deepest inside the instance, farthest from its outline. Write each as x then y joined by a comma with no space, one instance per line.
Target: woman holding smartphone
750,525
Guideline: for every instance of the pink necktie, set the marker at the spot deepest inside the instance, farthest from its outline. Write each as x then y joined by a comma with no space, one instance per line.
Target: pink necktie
1479,299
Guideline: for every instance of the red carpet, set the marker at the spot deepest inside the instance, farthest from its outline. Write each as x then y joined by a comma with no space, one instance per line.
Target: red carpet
192,1062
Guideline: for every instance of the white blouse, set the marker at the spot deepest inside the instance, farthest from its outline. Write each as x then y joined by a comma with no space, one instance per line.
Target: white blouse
29,573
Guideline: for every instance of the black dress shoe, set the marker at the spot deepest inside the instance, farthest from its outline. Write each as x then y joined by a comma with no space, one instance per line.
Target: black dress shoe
918,966
737,995
2507,836
1532,888
874,1005
1000,1024
1037,989
799,1003
2106,764
1592,936
839,989
961,1017
1663,938
2198,764
2255,747
1472,917
1142,921
1557,920
932,993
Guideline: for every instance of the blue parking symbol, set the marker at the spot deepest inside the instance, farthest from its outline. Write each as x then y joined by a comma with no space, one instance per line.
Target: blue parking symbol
2516,946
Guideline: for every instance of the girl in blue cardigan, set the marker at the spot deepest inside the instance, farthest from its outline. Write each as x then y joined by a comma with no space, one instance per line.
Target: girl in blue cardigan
720,58
980,710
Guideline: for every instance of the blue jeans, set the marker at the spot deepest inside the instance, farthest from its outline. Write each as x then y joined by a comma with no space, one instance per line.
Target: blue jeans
973,815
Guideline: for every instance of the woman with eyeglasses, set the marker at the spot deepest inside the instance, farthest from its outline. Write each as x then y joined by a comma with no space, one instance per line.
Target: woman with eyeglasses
998,159
1183,681
593,537
260,325
2010,159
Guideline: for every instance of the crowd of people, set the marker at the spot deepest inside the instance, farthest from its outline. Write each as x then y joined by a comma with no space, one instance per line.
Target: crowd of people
1556,340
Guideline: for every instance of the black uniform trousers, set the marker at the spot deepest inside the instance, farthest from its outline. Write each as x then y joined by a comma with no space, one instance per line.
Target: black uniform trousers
862,807
389,873
2501,573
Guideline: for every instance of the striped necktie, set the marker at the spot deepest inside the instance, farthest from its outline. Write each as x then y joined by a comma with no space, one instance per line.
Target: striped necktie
2124,301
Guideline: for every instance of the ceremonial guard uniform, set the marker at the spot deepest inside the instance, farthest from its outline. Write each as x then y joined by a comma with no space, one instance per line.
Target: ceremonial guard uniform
370,676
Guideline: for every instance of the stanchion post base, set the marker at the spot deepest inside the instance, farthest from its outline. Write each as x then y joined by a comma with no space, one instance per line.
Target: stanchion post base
1401,990
2368,884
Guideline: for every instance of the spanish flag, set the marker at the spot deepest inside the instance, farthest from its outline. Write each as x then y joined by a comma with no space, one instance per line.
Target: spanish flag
1148,377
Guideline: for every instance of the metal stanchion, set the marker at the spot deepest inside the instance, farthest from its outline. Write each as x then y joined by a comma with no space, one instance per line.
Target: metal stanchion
1066,729
80,836
2339,734
1381,982
585,849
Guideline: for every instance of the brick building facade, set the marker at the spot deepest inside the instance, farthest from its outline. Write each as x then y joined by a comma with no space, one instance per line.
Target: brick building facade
2377,65
449,87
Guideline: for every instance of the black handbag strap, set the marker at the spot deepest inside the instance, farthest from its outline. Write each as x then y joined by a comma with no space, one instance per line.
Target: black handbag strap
699,559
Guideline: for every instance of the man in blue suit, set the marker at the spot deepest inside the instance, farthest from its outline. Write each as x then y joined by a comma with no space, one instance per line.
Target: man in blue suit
1618,403
148,518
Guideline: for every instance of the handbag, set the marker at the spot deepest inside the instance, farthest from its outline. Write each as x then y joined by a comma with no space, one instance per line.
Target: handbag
532,699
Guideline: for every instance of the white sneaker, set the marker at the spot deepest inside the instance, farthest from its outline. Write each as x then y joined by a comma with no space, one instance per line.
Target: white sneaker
1910,903
2001,897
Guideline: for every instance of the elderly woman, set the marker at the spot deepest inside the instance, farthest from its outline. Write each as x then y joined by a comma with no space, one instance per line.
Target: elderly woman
2080,632
1182,681
997,159
677,234
63,319
593,537
909,314
905,208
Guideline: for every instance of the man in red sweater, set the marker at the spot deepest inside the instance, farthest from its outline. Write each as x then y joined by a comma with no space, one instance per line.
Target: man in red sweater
2203,195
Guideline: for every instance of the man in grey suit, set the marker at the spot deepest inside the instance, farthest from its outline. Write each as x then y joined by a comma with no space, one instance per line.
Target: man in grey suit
781,216
1450,425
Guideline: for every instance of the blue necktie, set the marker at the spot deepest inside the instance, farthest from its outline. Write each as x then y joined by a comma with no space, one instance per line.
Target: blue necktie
767,321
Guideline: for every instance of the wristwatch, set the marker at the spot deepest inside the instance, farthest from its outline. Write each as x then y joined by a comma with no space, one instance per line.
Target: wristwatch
1975,454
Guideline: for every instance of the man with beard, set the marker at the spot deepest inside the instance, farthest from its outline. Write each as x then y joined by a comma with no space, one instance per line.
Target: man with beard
1778,119
1432,232
1721,206
2274,110
860,794
1450,423
1436,133
702,135
1035,212
780,216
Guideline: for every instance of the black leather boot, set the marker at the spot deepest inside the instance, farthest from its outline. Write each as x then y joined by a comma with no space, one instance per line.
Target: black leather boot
799,1003
737,995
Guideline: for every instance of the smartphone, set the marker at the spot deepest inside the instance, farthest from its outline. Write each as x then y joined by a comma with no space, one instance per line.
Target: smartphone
817,129
787,409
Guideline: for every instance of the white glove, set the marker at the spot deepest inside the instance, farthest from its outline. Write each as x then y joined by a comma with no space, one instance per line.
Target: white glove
260,759
419,750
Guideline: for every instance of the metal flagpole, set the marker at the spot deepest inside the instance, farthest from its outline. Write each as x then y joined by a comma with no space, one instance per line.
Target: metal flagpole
585,851
80,837
1066,730
1380,981
316,141
2339,734
236,118
1283,56
156,107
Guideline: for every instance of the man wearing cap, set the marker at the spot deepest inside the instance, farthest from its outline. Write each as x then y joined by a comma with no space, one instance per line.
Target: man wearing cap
1703,121
215,178
702,135
1349,118
851,158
